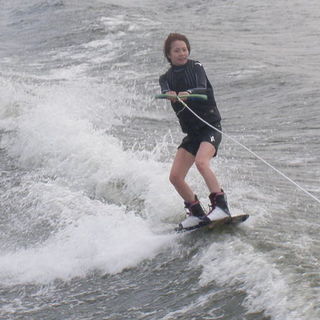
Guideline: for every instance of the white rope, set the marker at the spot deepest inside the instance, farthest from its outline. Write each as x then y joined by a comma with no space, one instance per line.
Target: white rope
250,151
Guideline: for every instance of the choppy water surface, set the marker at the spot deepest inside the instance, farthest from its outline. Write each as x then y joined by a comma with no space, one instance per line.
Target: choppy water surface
87,211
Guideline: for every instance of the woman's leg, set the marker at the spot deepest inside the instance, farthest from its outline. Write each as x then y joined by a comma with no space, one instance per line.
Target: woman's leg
202,161
219,207
180,167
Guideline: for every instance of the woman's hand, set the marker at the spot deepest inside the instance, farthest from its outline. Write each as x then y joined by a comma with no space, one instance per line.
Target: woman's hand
183,93
172,93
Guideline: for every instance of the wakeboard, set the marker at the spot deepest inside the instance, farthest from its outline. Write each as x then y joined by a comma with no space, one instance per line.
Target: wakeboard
231,221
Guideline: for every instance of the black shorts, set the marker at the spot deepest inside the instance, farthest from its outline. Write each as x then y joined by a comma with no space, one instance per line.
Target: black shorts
191,142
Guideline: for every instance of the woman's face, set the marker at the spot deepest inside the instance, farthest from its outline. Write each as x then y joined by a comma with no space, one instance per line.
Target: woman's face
179,53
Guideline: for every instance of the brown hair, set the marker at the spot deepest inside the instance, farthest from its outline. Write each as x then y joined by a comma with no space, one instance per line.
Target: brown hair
171,38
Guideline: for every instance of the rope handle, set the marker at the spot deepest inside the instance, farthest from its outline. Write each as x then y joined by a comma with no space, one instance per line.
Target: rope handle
192,96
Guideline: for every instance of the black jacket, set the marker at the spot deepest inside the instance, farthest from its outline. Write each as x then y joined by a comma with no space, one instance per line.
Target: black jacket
191,77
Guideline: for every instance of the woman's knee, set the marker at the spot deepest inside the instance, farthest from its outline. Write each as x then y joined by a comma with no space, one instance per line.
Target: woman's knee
201,164
175,178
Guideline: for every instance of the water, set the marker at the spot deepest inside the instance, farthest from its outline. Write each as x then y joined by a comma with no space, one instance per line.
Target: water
87,212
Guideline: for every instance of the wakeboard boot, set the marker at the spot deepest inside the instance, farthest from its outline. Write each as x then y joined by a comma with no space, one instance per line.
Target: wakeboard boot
196,217
219,206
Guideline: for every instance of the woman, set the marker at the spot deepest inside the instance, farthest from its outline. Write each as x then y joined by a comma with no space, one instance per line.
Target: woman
184,77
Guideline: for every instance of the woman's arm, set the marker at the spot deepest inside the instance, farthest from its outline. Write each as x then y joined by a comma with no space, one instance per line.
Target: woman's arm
201,80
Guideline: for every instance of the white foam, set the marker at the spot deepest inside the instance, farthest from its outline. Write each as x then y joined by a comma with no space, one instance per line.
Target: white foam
60,134
233,262
64,133
9,106
99,43
68,73
105,238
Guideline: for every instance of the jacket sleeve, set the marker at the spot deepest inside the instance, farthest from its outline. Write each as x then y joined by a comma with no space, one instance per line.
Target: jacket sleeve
201,80
164,85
